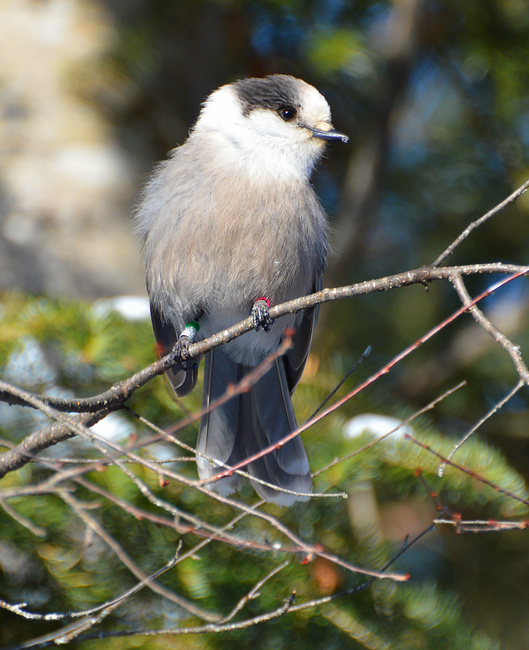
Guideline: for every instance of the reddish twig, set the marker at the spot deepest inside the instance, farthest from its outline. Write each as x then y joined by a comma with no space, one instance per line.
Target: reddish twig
373,378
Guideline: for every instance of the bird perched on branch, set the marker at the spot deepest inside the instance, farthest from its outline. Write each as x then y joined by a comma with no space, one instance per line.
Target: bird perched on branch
230,225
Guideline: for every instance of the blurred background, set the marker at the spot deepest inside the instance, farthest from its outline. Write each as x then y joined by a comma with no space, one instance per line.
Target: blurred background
434,95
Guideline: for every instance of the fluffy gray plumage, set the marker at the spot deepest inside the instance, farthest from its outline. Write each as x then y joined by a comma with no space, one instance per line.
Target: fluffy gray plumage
228,218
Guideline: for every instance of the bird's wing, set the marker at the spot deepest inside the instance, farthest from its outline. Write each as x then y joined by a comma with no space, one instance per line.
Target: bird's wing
296,357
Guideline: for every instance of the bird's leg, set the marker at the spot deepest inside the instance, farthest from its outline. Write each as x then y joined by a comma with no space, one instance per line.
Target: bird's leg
261,314
180,351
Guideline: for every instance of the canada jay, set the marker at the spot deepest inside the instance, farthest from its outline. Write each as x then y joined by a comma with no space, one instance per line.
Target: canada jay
230,225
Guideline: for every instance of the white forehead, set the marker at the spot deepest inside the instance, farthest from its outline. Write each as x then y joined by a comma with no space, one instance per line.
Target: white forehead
314,106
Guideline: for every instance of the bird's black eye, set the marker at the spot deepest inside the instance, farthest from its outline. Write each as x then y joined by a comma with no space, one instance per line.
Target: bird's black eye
287,113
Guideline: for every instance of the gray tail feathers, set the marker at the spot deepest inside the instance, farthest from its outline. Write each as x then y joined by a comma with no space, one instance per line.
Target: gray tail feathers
248,423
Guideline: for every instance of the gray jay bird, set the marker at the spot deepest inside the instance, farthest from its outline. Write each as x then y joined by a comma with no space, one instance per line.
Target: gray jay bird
229,225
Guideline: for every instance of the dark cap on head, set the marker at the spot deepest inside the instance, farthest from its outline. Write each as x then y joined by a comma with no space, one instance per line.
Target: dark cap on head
274,92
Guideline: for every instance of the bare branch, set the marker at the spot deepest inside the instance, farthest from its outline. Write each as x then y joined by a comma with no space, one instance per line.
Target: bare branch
116,548
253,593
465,470
69,426
400,426
383,371
475,224
473,429
480,526
512,350
118,394
23,521
287,606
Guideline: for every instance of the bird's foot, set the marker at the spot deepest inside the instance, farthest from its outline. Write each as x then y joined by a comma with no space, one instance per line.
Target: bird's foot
261,314
180,352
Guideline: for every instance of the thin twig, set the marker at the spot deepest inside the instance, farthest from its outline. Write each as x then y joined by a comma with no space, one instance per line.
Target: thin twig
475,224
20,610
308,550
23,521
253,593
240,472
465,470
342,381
401,425
116,548
512,350
104,462
372,379
287,606
499,405
480,526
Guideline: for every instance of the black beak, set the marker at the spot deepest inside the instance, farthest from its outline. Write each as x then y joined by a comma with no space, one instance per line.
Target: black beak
330,135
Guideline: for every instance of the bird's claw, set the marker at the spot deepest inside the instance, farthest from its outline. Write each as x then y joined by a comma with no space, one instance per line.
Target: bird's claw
261,314
180,352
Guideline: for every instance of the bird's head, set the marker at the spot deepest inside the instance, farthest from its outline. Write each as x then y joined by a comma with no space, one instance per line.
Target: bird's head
277,123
